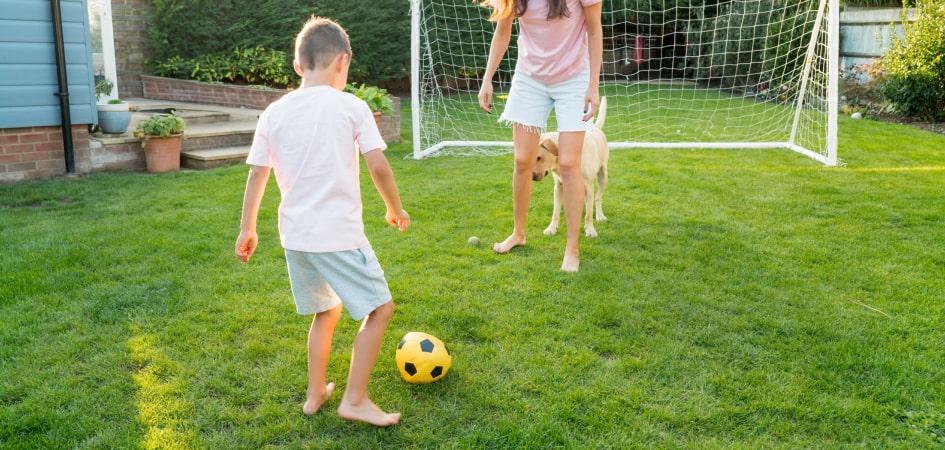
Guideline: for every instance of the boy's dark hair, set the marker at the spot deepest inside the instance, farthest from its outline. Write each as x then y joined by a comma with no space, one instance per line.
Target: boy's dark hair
319,42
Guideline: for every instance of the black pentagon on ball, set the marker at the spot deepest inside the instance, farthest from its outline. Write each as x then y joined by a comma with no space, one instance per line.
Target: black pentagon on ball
409,368
437,371
426,345
401,344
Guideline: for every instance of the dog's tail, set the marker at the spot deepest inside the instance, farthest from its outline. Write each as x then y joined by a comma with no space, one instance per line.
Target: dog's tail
601,113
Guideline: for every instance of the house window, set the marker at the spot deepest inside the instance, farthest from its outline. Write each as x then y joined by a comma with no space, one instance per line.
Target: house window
103,44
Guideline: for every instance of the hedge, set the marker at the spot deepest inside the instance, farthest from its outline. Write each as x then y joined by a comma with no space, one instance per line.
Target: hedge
250,66
380,34
379,30
913,71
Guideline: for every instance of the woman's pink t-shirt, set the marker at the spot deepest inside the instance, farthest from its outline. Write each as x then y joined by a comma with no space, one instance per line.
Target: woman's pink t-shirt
552,51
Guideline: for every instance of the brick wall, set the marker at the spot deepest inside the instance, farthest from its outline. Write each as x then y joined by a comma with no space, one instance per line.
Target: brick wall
160,88
130,24
390,125
37,152
117,156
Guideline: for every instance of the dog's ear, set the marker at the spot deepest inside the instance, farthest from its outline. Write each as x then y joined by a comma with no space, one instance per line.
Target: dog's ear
550,145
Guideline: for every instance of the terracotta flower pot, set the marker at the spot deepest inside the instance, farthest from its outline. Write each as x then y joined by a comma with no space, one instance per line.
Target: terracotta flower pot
162,154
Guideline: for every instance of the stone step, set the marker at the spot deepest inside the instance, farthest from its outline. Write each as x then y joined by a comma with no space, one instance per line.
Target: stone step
214,157
200,117
218,135
190,116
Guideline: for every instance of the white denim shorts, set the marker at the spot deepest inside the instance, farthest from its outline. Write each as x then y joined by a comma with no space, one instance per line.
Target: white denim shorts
530,103
322,281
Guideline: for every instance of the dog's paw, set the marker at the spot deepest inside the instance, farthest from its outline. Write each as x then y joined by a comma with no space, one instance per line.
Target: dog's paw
551,230
600,217
590,232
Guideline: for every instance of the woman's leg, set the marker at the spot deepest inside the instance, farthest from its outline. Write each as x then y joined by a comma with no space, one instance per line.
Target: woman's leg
526,153
570,145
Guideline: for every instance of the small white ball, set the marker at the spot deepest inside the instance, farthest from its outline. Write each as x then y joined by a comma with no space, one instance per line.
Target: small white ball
473,241
856,115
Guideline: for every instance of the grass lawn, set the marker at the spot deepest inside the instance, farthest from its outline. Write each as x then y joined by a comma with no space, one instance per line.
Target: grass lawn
646,112
734,299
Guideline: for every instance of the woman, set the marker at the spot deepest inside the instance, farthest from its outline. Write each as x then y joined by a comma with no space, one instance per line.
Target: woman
560,47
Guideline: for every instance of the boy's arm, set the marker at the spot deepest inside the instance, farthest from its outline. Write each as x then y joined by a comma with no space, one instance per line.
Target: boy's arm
383,178
255,188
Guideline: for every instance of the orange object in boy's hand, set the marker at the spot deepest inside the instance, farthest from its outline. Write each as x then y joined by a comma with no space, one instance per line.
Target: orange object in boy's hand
399,219
246,245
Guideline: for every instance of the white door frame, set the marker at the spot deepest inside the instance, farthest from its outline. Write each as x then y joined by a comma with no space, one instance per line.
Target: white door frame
108,47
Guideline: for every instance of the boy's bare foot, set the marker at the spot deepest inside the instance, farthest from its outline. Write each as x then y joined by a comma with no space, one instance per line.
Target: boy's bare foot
508,244
571,263
367,412
313,402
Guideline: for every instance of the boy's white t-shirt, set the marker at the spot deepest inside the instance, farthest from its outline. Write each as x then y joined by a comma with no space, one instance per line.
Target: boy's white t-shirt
311,138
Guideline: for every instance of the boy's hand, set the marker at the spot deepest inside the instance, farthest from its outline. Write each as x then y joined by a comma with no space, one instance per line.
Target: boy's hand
399,219
246,245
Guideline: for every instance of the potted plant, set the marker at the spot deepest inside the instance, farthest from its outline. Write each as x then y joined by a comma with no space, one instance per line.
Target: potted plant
377,99
161,139
113,115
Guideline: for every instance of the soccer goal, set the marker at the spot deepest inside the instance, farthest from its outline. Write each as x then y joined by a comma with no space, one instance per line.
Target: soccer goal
718,74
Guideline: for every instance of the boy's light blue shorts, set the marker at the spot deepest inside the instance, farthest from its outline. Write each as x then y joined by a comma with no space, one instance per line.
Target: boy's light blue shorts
530,102
322,281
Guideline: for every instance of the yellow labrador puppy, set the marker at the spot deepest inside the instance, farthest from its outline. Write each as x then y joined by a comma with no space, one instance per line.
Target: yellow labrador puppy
594,158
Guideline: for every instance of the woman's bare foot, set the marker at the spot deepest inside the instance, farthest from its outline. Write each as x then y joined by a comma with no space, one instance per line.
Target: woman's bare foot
367,412
571,263
313,402
508,244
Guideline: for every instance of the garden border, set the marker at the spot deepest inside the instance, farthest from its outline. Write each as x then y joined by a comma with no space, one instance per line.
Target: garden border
161,88
190,91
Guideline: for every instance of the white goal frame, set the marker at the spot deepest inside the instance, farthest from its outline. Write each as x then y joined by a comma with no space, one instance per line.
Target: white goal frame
828,15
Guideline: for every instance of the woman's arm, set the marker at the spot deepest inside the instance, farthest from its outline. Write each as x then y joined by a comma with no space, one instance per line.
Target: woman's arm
500,44
595,47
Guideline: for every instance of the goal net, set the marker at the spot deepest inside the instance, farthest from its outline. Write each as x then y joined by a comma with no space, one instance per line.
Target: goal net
677,74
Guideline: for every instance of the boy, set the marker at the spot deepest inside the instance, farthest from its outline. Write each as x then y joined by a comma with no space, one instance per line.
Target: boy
311,138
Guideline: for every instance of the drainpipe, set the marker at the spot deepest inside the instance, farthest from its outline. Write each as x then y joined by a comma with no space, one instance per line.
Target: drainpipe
63,93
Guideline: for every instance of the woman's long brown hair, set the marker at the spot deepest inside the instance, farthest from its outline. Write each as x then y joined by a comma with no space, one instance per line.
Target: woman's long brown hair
507,8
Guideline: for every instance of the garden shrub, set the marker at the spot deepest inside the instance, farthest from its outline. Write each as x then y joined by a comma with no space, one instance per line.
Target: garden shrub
103,87
787,43
755,45
252,66
376,98
159,126
914,68
724,46
380,35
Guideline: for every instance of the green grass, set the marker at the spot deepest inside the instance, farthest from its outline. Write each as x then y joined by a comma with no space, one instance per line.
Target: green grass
648,112
734,299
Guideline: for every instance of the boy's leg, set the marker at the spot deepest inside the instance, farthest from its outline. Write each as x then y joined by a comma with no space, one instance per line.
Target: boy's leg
319,346
355,405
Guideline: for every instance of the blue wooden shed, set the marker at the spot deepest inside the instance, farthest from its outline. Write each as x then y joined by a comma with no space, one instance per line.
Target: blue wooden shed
28,69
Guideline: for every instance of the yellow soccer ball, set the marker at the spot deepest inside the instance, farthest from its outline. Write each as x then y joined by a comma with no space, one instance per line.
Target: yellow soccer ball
422,358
